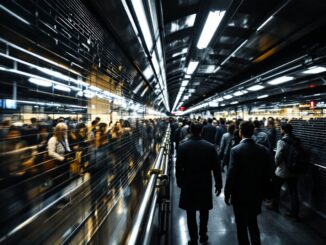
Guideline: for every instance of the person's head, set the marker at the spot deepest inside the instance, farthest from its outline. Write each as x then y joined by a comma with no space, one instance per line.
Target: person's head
246,129
210,120
231,128
102,127
222,121
270,124
60,131
14,134
43,132
196,128
97,119
33,120
81,129
257,124
286,128
94,123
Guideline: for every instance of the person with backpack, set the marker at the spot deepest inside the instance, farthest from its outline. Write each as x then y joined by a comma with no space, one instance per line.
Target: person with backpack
291,160
259,136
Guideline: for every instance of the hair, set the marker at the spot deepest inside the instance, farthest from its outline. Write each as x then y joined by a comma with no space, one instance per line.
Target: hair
94,123
231,128
222,121
247,129
257,124
287,128
196,128
59,127
271,123
209,120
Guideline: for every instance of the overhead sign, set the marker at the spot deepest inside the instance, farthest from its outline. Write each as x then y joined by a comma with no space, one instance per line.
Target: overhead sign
182,108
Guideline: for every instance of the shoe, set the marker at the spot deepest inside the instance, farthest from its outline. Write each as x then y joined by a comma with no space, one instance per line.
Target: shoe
203,239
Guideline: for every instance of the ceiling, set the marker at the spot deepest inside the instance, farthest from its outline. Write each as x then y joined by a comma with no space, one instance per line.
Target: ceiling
254,37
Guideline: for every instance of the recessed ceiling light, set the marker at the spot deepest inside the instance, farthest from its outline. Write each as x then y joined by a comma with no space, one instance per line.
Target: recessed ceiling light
227,97
255,88
238,93
280,80
192,67
184,83
62,88
315,70
262,96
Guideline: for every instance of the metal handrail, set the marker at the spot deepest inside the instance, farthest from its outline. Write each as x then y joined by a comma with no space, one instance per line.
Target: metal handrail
145,213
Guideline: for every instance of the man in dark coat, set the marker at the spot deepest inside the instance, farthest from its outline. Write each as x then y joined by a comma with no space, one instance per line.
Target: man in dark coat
248,176
209,131
196,159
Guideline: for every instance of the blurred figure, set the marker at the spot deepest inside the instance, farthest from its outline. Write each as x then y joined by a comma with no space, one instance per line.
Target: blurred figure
196,160
259,136
209,132
221,129
248,174
283,174
59,150
226,144
272,133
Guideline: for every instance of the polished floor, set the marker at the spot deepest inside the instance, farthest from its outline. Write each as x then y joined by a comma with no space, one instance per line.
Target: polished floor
275,228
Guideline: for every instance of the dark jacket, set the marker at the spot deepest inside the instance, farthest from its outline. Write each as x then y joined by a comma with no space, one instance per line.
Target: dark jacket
209,132
248,175
196,160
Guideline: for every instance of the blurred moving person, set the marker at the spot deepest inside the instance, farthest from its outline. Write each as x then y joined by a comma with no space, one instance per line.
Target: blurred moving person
248,175
196,160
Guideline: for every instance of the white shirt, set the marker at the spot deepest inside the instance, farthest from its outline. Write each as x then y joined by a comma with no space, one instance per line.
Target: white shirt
56,149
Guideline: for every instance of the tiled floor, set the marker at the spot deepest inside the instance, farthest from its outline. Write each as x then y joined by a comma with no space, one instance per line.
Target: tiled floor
275,228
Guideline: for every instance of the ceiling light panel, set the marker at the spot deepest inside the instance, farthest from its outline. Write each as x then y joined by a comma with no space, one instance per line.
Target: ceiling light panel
315,70
192,67
255,88
213,20
280,80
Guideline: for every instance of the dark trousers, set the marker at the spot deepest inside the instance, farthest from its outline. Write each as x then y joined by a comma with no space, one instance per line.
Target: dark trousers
246,220
292,184
192,224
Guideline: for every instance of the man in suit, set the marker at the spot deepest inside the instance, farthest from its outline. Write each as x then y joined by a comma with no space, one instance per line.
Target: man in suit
209,131
248,176
196,160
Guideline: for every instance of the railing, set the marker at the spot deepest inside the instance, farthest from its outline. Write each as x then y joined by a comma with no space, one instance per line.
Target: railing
156,196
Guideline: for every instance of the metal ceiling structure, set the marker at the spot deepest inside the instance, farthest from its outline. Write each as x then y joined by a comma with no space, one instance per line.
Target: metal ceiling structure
254,40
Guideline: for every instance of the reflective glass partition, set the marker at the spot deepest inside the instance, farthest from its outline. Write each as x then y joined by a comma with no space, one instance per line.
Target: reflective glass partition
78,131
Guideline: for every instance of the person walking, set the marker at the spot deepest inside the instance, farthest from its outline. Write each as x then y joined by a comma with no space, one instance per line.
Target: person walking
248,174
209,131
196,160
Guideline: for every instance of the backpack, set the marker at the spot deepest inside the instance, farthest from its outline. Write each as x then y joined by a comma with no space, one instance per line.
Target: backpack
297,159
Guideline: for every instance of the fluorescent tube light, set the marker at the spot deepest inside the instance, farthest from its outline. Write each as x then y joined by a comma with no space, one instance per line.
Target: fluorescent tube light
62,88
220,99
40,82
262,96
234,102
227,97
192,67
184,83
143,23
280,80
187,76
256,88
148,72
265,22
315,70
213,20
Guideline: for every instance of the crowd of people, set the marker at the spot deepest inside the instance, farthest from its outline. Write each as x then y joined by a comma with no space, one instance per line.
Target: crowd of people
258,156
39,160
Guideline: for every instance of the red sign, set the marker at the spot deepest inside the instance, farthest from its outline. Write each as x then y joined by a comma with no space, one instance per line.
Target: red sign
182,108
312,104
